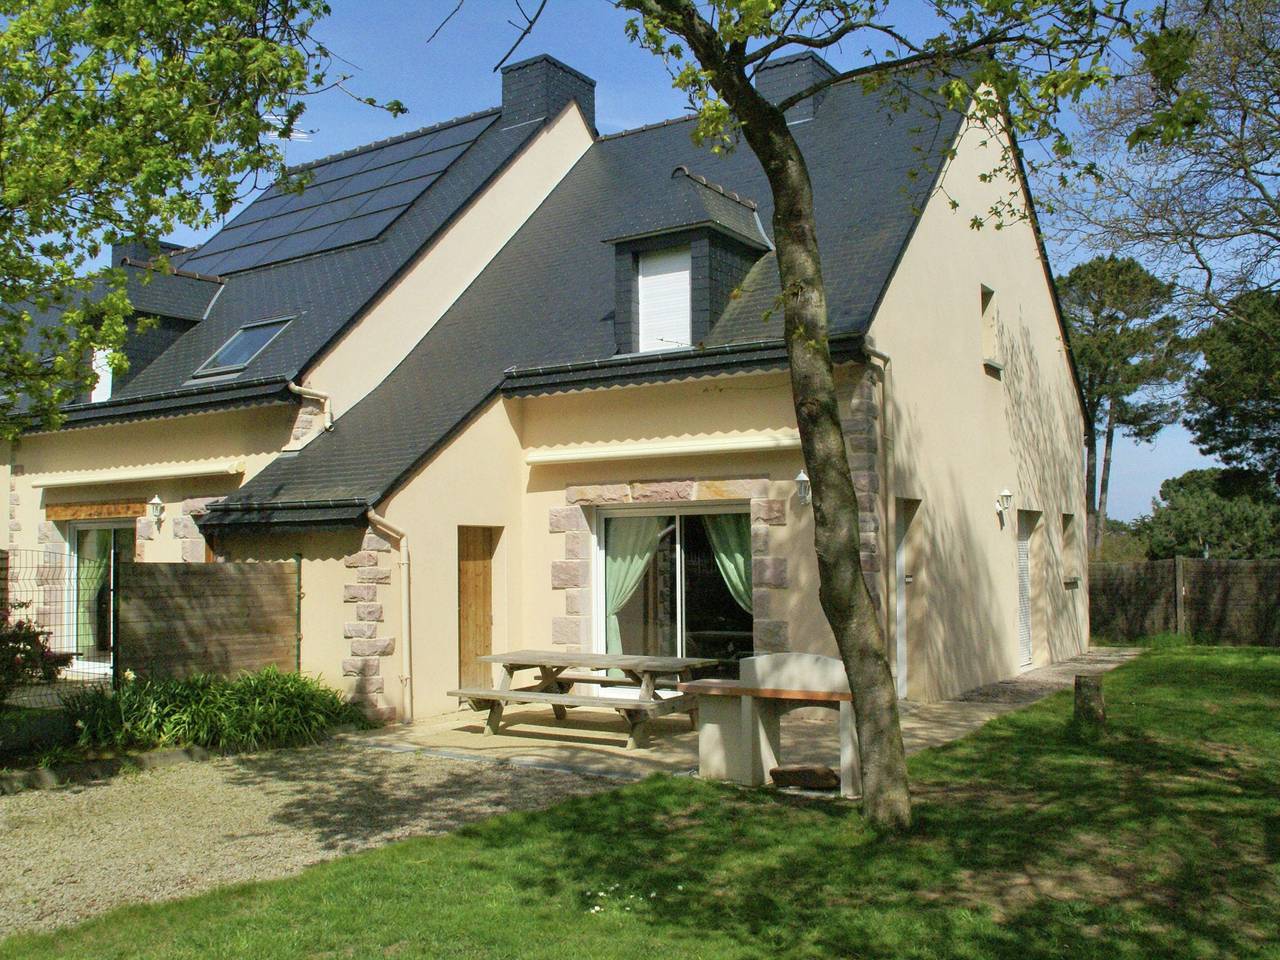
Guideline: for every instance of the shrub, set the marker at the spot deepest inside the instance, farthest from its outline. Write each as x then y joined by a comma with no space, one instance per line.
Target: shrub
252,712
25,657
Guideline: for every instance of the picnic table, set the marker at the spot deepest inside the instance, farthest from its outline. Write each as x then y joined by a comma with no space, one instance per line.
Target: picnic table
649,681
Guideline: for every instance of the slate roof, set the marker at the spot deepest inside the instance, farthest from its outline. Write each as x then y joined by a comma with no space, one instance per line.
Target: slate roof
691,201
152,293
547,298
420,181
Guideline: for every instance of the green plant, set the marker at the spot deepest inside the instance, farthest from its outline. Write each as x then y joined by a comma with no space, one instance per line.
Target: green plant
252,712
25,657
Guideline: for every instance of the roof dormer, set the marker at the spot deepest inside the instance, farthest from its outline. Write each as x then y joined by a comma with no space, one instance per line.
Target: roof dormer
676,271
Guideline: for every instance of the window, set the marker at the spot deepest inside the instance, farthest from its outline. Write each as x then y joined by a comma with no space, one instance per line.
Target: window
665,299
1070,550
245,344
991,358
678,584
102,367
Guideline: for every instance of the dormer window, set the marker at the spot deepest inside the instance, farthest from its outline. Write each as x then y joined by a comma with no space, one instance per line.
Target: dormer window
687,250
245,344
664,299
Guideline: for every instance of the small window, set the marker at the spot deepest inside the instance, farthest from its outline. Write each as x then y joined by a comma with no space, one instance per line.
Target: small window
1071,558
245,344
991,358
102,368
665,299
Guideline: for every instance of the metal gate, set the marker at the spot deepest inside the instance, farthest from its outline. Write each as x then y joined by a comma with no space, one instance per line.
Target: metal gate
106,615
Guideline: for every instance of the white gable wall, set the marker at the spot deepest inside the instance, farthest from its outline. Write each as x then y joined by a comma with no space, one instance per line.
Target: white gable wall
958,437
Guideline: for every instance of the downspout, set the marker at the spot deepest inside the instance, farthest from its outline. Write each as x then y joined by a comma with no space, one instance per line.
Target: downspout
406,624
891,504
320,395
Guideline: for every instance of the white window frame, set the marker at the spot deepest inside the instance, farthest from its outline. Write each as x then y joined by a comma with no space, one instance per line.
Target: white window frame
597,526
657,343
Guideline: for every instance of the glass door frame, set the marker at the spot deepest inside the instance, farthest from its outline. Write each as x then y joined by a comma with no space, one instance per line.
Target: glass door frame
677,510
74,528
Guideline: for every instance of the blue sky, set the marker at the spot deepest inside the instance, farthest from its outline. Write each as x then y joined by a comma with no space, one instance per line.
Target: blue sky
386,45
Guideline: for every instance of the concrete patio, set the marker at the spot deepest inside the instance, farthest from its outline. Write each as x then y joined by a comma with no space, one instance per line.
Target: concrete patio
595,742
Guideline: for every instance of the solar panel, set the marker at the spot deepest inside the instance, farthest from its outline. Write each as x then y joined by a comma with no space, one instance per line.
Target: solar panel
346,200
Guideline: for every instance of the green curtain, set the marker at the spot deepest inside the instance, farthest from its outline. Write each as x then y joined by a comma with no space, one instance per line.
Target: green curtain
629,545
730,536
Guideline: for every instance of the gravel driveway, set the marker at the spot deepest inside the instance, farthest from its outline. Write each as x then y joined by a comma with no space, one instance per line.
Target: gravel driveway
69,853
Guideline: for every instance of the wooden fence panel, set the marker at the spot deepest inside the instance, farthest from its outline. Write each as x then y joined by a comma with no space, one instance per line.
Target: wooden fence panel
1233,601
1131,600
176,619
1218,601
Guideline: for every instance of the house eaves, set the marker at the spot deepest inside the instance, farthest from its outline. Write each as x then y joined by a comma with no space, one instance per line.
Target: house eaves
174,403
664,366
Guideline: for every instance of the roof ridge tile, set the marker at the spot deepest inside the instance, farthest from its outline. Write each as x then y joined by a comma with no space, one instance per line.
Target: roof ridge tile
723,191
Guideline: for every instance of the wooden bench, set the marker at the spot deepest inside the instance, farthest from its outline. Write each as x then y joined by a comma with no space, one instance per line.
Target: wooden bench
739,720
636,712
645,675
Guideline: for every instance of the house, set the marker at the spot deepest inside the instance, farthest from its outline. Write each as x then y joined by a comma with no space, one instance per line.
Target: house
505,382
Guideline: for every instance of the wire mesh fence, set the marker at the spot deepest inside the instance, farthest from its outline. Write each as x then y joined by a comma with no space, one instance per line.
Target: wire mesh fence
70,604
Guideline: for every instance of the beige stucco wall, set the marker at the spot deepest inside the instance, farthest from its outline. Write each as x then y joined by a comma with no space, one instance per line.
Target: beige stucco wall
960,436
481,479
362,357
475,480
250,436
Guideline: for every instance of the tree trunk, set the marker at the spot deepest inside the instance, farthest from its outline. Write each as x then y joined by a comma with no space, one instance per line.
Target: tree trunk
1105,483
843,592
1091,487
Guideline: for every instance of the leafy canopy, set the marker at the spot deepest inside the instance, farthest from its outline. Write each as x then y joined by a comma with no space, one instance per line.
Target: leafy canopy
1010,63
118,121
1199,199
1130,356
1233,400
1214,513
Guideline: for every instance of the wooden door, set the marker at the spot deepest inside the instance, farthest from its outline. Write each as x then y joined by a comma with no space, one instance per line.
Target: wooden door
475,604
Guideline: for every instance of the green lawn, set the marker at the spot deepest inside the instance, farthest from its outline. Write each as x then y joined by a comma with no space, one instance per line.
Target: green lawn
1160,839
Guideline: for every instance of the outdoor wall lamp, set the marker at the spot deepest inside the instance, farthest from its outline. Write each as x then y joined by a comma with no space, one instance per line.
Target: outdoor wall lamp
155,508
1004,501
804,492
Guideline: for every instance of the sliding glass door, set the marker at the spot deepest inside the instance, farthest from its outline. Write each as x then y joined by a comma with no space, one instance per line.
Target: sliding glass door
97,552
678,584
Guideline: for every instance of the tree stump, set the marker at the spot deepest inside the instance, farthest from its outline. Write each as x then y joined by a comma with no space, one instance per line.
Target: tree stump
1091,709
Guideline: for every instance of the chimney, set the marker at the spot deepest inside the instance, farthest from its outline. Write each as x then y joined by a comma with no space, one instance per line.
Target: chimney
140,250
779,79
539,88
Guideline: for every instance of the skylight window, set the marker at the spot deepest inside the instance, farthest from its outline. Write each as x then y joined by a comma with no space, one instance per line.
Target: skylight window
245,344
